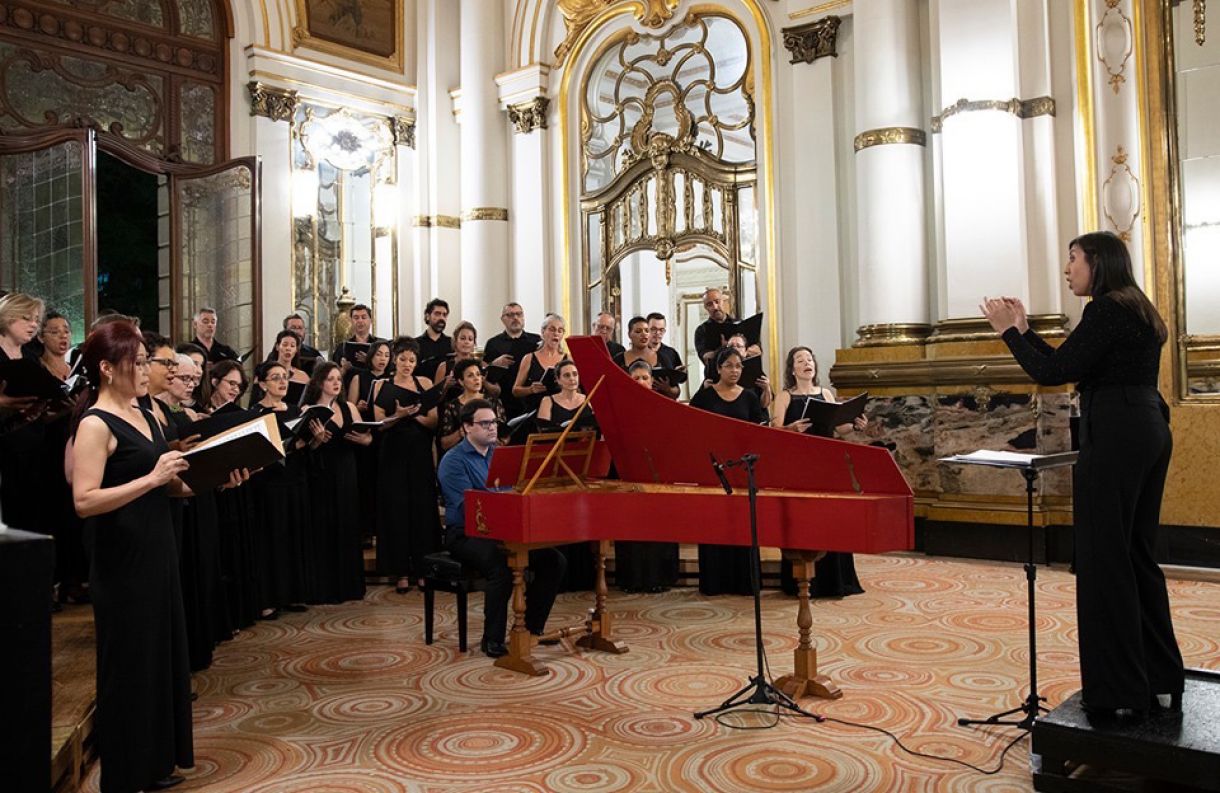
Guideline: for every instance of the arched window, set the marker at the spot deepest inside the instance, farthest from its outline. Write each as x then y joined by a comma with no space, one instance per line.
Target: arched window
668,171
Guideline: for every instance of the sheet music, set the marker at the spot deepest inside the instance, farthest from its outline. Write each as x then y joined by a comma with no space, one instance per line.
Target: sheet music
987,455
256,427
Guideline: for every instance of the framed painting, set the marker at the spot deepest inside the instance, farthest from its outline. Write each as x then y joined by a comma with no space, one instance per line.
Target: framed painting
368,31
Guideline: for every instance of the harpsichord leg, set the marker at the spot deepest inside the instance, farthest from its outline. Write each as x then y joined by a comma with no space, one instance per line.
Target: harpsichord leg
520,641
805,680
599,634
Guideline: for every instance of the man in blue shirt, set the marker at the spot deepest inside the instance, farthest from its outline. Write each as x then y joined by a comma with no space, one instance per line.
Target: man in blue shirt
464,467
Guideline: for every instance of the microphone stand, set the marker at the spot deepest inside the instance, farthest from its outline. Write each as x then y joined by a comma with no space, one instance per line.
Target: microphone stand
759,690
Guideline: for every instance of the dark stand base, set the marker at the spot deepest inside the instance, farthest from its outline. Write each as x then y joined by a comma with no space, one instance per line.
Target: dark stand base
759,692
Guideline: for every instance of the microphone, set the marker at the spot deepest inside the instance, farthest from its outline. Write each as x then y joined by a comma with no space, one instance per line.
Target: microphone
719,469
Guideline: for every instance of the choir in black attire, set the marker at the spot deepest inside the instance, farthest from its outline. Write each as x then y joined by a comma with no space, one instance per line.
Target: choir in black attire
516,344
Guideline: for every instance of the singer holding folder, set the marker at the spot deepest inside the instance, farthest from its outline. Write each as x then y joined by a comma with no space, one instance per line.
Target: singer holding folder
123,474
835,573
1129,657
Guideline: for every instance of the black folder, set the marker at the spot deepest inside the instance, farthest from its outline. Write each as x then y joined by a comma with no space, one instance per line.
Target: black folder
348,350
751,370
28,378
300,425
551,380
825,416
296,392
391,399
224,418
671,376
252,445
750,327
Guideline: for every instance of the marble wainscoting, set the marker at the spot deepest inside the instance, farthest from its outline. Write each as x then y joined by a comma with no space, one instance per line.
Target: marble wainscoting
924,428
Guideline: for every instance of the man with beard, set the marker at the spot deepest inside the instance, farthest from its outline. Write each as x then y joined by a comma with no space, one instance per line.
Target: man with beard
362,333
503,353
434,345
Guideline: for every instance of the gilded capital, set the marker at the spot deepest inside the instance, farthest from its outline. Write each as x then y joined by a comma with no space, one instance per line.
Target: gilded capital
277,104
403,129
813,40
529,115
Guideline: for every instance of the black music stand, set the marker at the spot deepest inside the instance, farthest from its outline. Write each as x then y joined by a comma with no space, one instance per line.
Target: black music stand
1030,465
759,690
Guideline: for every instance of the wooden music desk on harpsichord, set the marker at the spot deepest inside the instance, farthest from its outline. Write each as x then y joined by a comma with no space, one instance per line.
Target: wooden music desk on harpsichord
815,495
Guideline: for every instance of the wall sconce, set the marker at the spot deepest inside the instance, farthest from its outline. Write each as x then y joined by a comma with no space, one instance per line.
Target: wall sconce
304,193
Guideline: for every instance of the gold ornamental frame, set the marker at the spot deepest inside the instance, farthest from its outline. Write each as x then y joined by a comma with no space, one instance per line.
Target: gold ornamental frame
302,38
758,40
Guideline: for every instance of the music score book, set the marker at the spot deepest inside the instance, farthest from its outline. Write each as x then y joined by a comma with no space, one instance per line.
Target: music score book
824,416
1006,459
23,377
427,399
253,445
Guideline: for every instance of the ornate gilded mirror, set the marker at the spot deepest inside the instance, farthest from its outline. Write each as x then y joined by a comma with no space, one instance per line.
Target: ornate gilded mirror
344,205
669,172
1192,107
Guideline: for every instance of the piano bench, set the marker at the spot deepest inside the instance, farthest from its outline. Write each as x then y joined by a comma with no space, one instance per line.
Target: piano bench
443,572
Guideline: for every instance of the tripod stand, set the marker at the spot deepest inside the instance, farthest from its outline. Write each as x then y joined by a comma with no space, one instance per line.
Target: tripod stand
758,691
1032,705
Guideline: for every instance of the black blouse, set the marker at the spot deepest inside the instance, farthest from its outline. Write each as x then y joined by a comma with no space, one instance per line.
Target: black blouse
746,406
1110,346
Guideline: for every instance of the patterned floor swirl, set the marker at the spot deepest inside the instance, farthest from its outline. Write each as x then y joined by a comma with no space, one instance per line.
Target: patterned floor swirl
349,699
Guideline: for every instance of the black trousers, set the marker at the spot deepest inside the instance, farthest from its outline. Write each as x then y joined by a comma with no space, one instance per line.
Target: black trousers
487,556
1128,651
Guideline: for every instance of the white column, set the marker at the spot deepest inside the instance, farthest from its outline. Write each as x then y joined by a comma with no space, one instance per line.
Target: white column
437,250
891,225
523,95
811,301
484,147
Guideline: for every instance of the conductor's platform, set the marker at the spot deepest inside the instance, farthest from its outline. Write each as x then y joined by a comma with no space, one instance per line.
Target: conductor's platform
1169,751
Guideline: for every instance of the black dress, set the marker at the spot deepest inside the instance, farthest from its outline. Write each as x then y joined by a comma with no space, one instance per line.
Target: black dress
725,569
408,522
143,674
334,555
533,375
1128,650
579,575
22,495
834,575
203,594
367,456
277,497
239,571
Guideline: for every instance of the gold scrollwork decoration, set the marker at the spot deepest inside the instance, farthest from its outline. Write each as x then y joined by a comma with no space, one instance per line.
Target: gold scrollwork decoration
890,135
480,520
277,104
892,333
485,213
577,14
529,115
813,40
1021,108
1120,195
1115,41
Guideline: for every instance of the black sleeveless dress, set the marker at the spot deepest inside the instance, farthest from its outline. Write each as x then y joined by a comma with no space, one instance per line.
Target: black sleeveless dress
725,569
533,375
278,498
834,575
203,594
334,551
579,575
408,523
22,495
143,673
237,555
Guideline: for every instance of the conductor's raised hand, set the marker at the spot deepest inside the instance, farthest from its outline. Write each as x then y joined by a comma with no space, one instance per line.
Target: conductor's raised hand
168,466
999,313
1016,305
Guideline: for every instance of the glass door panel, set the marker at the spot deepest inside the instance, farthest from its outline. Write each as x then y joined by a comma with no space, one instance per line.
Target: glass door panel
44,219
216,238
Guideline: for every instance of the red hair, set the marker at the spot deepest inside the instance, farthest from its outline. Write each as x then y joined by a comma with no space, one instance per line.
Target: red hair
117,343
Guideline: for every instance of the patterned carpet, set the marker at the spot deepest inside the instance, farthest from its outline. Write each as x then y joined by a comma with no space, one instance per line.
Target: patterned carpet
349,698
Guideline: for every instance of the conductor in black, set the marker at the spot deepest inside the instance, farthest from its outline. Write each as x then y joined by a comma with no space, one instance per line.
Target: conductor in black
1129,658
